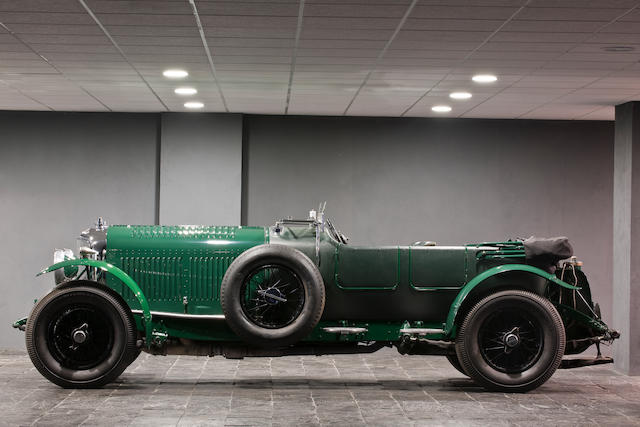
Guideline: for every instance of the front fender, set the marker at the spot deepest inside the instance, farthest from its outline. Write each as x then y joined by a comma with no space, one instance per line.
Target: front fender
501,269
112,269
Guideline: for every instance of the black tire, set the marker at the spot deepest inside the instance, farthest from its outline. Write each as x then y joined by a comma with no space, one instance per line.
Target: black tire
453,359
490,354
108,329
285,318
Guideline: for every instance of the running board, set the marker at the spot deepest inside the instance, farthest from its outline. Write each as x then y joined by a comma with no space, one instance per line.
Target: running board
421,331
167,314
344,330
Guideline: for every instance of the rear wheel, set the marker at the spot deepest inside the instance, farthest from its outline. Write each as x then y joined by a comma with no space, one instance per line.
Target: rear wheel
80,337
511,341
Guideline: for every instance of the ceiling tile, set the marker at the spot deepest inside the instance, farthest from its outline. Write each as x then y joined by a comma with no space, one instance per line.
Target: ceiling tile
550,57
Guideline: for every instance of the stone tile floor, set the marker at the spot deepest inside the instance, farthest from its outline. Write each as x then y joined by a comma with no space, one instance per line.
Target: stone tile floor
383,388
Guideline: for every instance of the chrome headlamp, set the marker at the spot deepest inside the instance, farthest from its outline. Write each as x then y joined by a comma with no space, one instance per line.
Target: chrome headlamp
65,273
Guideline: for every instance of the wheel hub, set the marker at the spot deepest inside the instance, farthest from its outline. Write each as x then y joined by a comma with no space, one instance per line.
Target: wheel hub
511,340
80,335
273,296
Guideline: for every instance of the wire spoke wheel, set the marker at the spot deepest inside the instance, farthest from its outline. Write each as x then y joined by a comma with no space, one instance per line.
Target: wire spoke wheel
272,296
510,340
80,336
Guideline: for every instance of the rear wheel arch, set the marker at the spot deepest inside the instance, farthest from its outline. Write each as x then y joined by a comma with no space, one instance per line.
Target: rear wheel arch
514,280
503,277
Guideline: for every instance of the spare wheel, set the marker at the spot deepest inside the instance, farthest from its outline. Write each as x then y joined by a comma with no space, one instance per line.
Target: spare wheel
272,295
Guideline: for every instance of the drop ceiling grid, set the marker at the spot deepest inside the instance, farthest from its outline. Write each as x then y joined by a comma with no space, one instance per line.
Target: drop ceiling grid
537,19
549,45
153,36
64,94
252,46
343,42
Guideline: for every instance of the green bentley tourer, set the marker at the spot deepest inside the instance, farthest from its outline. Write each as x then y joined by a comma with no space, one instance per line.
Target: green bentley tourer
503,313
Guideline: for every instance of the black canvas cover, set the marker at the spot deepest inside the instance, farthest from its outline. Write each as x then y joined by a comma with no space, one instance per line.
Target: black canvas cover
541,250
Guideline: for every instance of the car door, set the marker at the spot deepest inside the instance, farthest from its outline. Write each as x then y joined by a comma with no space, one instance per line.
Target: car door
367,268
437,267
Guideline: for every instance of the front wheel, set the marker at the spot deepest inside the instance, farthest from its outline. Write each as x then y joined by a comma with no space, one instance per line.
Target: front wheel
511,341
80,337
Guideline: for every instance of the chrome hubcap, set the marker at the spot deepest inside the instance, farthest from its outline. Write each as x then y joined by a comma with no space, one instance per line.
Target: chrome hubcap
80,334
511,340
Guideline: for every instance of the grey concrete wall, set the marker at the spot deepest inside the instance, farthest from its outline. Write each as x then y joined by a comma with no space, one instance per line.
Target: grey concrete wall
395,181
386,181
201,168
58,173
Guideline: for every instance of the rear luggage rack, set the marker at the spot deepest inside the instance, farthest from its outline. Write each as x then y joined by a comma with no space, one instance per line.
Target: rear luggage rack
513,249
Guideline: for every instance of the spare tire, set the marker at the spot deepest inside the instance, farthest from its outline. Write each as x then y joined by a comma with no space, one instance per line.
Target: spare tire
272,296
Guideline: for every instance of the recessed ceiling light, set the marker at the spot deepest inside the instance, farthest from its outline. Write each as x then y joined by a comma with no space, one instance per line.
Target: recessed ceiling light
193,104
484,78
175,74
460,95
440,108
185,91
618,48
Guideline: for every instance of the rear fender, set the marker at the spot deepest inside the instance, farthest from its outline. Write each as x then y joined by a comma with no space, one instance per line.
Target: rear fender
119,274
480,281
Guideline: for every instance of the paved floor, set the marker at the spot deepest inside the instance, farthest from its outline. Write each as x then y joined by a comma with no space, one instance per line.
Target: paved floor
384,388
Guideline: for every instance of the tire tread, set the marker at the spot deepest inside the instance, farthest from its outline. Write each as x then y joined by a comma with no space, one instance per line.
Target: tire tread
129,350
467,362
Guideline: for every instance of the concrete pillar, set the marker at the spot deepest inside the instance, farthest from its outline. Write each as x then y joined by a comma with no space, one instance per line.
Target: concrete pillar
626,238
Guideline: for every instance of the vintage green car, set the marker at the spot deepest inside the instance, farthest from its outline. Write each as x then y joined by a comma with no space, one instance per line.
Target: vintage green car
503,313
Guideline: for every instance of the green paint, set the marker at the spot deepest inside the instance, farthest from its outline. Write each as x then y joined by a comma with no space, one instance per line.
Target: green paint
569,313
437,267
361,268
114,272
178,264
20,323
179,269
501,269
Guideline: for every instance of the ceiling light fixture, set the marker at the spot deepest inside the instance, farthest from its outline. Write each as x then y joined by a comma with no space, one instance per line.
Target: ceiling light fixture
484,78
440,108
175,74
193,105
185,91
460,95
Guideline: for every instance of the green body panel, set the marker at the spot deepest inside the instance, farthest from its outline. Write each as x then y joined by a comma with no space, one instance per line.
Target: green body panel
495,271
117,275
438,267
367,268
178,268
